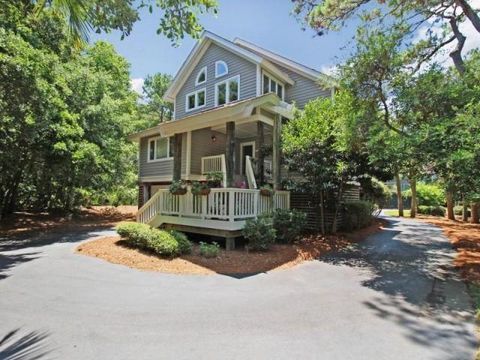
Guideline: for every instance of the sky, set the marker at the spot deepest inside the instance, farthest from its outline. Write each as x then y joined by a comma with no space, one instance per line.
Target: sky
267,23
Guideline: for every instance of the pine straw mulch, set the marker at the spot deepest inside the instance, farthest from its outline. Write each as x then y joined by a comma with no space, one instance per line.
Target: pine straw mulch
239,261
26,223
465,238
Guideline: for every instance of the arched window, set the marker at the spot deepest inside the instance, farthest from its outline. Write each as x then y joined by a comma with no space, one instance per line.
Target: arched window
202,76
221,68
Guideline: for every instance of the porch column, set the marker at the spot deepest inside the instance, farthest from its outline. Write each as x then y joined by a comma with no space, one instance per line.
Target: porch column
177,157
230,153
259,153
277,153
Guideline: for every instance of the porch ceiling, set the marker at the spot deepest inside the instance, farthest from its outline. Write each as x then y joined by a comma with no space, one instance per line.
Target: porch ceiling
246,130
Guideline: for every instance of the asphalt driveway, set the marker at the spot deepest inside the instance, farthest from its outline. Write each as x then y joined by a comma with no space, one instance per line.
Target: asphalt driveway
394,296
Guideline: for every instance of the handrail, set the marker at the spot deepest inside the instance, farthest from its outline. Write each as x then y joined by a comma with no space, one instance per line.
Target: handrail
252,183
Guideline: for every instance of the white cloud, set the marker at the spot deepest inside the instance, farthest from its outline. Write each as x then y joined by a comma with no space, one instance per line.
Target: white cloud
137,85
328,69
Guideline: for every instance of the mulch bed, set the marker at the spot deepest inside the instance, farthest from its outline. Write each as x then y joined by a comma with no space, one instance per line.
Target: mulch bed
465,238
239,261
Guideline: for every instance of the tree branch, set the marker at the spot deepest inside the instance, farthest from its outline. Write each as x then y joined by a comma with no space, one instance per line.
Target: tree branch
469,13
456,54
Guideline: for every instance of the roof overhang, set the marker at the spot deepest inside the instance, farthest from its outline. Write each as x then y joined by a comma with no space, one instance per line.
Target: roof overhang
237,112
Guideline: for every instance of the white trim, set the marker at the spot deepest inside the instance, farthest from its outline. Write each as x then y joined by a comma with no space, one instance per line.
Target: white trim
196,99
242,144
259,80
227,90
202,70
277,82
188,157
149,140
220,62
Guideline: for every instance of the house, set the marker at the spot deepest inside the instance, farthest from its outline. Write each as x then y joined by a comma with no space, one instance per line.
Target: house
230,99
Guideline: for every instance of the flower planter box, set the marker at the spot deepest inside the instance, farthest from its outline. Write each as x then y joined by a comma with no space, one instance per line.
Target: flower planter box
179,192
266,192
203,192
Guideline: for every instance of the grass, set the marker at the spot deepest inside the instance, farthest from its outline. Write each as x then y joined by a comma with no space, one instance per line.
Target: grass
394,212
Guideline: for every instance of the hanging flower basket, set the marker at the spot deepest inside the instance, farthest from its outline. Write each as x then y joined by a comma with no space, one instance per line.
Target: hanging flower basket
179,192
266,191
178,188
199,188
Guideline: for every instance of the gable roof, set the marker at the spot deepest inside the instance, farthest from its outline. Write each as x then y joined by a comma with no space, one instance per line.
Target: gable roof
281,60
199,49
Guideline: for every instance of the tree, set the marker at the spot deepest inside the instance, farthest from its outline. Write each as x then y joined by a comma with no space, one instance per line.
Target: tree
178,17
154,88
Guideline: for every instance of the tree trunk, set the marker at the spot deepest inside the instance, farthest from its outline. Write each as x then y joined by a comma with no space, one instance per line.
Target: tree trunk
450,205
474,208
337,207
230,153
469,13
413,188
260,153
399,194
464,210
277,130
322,214
456,54
177,157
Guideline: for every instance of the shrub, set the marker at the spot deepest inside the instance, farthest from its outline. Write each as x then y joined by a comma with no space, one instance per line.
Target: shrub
288,224
184,245
259,232
431,210
357,215
209,250
428,194
376,191
161,242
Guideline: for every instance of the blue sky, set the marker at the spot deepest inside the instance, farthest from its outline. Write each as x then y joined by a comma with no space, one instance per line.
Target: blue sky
267,23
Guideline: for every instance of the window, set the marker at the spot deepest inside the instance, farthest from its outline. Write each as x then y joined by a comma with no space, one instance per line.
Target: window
227,91
195,100
271,85
160,149
202,76
221,68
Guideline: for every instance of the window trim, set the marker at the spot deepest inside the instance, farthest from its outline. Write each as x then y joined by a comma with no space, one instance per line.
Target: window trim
149,141
196,107
202,70
270,79
227,90
226,67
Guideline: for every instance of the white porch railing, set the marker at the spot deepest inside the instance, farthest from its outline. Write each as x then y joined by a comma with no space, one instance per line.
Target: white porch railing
215,163
252,183
222,204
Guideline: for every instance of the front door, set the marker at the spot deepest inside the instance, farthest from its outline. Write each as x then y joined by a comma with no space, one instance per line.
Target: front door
246,149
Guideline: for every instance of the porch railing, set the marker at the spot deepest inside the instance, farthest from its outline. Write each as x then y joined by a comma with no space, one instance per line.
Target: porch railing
222,204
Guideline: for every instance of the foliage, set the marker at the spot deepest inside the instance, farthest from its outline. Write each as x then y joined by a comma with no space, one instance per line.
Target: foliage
177,187
209,250
184,245
260,233
155,87
458,210
214,179
161,242
433,210
266,190
375,191
198,187
288,224
428,194
357,215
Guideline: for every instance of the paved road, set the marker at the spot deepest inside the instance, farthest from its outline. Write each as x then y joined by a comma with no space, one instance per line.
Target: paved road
394,296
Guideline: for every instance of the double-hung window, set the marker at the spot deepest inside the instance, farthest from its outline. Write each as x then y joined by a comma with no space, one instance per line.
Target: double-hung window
195,100
160,149
272,85
227,91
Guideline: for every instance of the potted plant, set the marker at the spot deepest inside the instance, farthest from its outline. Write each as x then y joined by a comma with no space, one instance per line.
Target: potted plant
178,187
214,179
266,190
199,188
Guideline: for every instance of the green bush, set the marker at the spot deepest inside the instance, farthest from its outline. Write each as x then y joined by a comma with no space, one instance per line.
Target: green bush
357,215
431,210
259,232
376,191
288,224
161,242
209,250
428,194
184,244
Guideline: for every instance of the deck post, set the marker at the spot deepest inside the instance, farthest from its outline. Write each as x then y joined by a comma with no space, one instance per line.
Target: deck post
277,154
230,153
229,243
260,153
177,157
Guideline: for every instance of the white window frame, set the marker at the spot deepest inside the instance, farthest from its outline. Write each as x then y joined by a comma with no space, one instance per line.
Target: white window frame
227,89
217,75
196,99
270,78
242,157
202,70
155,149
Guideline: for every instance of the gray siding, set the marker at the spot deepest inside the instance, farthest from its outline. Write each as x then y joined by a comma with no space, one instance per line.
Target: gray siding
158,168
236,66
202,145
